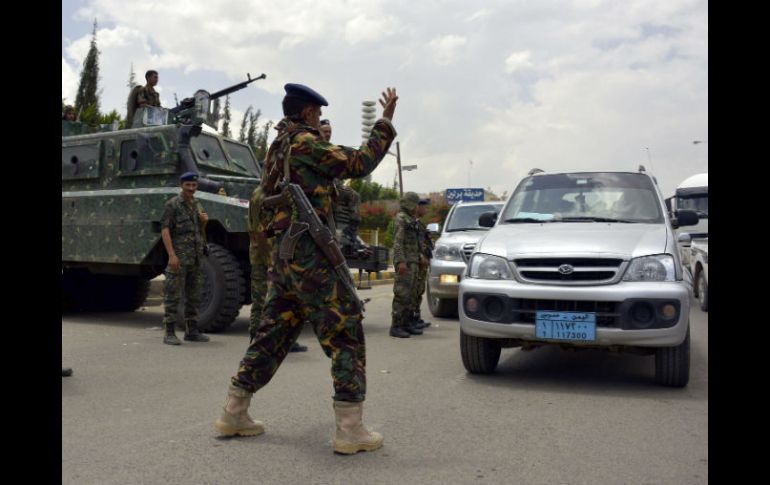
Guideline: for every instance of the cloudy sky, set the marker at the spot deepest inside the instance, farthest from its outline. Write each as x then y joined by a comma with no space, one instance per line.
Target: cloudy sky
488,90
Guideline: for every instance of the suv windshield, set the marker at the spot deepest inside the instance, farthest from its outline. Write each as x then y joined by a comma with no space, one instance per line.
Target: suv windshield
465,218
699,203
585,197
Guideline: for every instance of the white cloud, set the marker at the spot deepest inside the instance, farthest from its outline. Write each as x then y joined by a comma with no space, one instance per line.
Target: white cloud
580,83
517,60
445,49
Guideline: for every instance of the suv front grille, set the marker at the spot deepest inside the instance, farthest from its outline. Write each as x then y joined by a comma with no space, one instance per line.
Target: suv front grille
583,270
607,312
468,250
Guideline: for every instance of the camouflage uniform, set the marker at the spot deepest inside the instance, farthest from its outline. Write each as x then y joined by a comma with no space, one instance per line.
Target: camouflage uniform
305,287
426,250
347,213
406,249
138,95
183,222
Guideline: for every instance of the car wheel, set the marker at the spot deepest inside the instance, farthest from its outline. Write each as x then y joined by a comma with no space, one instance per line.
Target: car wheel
703,292
672,364
441,307
480,355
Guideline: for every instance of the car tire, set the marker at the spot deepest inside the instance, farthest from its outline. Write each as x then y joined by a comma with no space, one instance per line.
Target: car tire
441,307
480,355
672,364
703,291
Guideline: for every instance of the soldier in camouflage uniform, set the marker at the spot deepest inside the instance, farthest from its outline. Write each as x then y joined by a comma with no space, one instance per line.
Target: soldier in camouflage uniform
259,257
406,260
346,203
182,232
426,252
142,96
302,285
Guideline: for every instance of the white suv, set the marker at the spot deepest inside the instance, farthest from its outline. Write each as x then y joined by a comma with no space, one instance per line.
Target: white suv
460,234
580,259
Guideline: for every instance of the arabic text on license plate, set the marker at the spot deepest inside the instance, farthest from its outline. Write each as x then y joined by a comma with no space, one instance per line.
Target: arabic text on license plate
574,326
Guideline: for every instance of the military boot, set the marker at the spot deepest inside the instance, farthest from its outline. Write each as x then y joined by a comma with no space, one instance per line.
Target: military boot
235,420
352,436
192,334
298,347
399,332
170,338
422,323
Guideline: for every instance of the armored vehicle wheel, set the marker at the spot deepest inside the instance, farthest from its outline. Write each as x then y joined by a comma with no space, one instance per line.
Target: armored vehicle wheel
221,292
672,364
441,307
480,355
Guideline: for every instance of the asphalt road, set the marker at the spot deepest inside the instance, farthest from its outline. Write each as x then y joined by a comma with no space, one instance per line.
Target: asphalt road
140,412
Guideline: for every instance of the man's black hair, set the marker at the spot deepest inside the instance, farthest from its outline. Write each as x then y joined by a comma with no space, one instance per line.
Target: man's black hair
293,106
148,74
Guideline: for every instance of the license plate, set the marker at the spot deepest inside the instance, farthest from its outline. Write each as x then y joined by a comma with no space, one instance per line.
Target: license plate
570,326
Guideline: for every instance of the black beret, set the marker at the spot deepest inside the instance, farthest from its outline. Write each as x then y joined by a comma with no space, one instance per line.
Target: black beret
303,92
189,177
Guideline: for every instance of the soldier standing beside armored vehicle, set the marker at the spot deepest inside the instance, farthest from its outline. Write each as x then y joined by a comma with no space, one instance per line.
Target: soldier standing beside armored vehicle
183,238
406,259
426,253
142,96
303,283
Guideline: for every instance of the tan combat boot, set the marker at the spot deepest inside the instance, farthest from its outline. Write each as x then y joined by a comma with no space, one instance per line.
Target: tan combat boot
352,436
235,420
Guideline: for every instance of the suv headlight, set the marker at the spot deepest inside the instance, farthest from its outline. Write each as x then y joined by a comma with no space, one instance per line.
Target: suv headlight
651,268
488,267
448,252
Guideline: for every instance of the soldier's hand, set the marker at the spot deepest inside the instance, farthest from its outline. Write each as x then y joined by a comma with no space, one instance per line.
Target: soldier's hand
402,269
204,217
388,103
173,263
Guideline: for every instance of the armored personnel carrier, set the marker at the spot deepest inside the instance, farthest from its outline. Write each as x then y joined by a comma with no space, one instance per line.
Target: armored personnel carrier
114,186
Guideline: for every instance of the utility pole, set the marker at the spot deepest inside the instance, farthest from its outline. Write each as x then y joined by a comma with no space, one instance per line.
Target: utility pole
398,161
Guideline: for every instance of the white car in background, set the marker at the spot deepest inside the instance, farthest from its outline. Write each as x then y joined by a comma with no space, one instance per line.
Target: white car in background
459,236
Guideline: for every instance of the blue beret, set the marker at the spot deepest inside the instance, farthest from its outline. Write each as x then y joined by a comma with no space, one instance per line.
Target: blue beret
189,177
303,92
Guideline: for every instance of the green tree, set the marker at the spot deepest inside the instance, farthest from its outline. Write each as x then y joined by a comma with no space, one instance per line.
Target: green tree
251,136
226,119
260,150
244,123
87,99
388,239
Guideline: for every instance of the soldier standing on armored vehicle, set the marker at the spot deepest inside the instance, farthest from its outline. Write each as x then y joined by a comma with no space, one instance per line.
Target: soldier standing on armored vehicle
182,232
406,259
304,285
142,96
69,114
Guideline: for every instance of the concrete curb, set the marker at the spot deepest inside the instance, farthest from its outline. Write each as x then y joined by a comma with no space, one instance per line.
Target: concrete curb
385,278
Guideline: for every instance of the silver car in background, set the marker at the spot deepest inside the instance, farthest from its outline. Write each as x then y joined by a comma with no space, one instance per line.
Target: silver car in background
580,260
458,238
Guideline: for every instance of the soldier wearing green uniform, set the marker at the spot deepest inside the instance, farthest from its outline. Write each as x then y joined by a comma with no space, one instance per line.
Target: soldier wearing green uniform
406,260
426,252
142,96
183,237
259,257
302,284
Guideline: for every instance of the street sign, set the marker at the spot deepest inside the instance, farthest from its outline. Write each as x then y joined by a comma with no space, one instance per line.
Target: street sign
465,195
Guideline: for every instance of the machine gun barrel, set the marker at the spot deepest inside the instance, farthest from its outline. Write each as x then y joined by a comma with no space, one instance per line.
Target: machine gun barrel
236,87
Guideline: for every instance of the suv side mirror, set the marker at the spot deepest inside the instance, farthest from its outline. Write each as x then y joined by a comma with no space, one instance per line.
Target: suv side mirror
488,219
685,217
432,227
684,239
